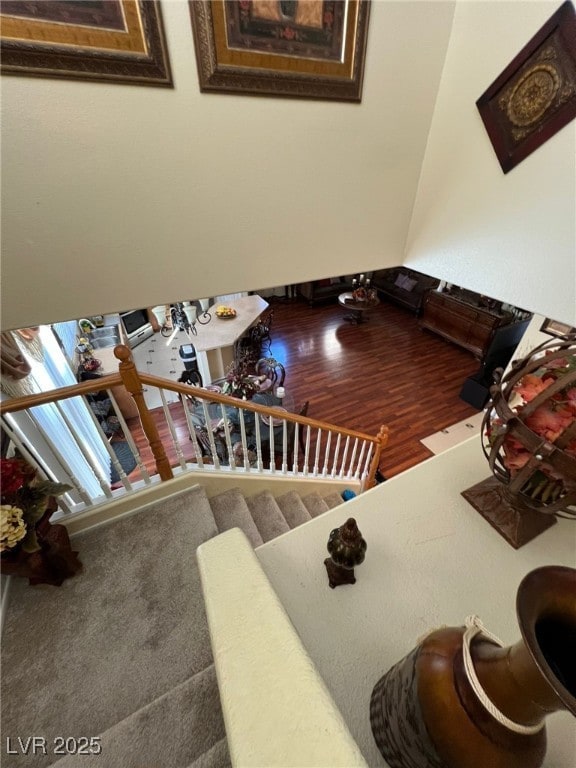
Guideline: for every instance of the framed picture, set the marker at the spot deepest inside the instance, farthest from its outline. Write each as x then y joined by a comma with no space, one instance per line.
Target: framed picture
535,96
114,40
554,328
299,48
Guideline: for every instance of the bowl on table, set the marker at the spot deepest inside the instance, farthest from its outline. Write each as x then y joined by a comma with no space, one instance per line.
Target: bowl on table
225,313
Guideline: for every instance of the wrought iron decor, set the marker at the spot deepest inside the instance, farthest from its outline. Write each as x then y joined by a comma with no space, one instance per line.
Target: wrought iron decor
310,48
535,96
113,40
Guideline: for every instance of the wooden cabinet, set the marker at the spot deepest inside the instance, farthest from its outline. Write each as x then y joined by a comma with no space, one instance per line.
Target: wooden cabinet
458,320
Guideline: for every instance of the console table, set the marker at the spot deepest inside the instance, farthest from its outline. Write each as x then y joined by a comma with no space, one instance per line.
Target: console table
460,320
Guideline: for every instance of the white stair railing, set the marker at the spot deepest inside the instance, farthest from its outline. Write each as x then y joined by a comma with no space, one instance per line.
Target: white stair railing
199,434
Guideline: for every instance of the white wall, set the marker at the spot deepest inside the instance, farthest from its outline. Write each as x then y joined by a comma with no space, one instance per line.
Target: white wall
512,236
116,196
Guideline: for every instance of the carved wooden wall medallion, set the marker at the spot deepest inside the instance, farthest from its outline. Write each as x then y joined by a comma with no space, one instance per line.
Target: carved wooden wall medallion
535,96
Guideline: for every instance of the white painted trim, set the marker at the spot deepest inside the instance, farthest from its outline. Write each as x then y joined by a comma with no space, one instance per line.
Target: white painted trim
277,709
212,482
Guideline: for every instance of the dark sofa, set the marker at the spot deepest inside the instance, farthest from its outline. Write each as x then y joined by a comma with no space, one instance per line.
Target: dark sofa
403,286
328,289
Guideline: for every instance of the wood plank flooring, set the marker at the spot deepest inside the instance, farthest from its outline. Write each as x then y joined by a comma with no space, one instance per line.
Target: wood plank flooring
385,371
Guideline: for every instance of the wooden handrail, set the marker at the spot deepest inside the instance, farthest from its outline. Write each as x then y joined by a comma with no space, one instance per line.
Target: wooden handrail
129,377
248,405
133,384
382,439
62,393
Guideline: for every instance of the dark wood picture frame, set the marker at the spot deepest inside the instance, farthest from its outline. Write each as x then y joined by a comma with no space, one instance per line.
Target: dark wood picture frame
242,67
121,41
535,96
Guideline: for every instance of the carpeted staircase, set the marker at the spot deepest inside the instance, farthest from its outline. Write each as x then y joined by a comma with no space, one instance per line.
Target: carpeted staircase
121,652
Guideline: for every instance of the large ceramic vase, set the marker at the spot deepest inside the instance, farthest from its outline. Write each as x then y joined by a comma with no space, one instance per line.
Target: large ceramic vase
445,707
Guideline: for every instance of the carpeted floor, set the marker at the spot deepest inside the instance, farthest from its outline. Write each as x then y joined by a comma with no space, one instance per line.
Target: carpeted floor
141,581
121,651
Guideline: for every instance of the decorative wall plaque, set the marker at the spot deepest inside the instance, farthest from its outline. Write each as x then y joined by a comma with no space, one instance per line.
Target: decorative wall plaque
535,96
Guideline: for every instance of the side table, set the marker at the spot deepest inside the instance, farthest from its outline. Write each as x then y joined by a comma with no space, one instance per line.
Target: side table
358,309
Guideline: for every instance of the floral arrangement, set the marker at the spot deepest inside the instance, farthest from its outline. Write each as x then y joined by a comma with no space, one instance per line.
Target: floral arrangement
24,500
532,416
240,379
362,291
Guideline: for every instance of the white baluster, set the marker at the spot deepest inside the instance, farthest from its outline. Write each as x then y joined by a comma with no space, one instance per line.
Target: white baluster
336,452
259,461
350,473
243,440
367,462
317,456
103,481
129,439
228,439
326,454
359,464
342,472
172,428
213,451
369,454
284,447
271,443
192,433
307,449
295,449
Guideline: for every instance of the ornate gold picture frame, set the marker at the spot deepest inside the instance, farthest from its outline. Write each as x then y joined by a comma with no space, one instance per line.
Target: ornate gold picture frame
114,40
535,96
310,49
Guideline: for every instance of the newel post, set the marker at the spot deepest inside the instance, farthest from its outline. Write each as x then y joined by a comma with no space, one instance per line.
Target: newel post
381,442
132,382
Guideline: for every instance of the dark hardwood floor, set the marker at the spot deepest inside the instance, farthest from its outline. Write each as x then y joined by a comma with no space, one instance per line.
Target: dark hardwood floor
385,371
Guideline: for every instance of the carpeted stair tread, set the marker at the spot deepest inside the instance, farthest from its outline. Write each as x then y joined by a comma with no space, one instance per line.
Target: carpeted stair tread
333,500
293,509
129,627
231,511
177,729
216,757
315,504
267,515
